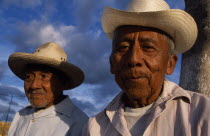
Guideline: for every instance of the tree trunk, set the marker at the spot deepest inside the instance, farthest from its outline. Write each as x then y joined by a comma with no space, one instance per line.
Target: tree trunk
195,69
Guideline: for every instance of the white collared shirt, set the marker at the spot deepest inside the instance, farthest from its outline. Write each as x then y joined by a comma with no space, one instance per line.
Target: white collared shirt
176,112
58,120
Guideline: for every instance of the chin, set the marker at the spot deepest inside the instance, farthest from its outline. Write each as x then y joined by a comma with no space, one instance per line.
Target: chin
137,93
38,105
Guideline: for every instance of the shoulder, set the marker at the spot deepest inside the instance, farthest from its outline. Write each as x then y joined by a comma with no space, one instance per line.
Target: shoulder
199,111
16,120
78,120
73,115
199,107
95,124
22,112
197,102
25,111
198,99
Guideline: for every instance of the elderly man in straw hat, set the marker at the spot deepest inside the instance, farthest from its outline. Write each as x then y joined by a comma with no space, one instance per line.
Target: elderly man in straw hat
46,73
146,39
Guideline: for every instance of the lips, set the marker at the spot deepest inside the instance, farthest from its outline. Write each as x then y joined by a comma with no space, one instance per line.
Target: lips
136,78
37,93
134,75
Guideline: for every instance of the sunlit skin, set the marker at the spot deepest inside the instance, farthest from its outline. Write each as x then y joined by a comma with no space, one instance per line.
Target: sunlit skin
139,60
43,88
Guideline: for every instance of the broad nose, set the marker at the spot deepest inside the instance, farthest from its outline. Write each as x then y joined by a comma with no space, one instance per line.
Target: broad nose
36,83
135,56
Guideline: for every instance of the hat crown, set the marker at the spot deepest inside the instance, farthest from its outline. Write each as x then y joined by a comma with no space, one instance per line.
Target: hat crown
147,5
51,50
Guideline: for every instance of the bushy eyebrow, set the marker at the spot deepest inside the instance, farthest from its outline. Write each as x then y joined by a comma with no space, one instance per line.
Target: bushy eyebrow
147,40
115,43
126,39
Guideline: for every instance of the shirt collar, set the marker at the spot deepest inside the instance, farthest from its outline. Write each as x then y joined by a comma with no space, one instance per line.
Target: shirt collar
64,107
173,91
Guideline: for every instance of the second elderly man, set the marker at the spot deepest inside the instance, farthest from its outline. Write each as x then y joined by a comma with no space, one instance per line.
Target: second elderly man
46,73
146,38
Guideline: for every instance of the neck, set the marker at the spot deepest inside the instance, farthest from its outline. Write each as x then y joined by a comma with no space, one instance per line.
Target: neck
57,100
140,102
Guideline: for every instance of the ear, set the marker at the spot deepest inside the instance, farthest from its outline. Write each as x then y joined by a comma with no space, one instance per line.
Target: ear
171,64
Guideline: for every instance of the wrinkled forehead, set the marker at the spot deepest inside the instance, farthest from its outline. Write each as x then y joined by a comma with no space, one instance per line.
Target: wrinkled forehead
124,30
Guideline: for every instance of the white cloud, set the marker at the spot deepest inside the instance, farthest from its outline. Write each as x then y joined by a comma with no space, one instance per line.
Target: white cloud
84,90
48,33
36,33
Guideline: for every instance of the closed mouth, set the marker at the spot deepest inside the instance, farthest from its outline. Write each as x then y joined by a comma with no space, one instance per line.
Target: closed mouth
37,93
135,79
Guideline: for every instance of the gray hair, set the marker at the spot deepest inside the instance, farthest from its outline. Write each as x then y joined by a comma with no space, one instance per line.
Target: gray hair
171,44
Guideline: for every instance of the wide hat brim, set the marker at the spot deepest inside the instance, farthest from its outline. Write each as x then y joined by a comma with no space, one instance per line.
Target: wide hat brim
177,23
18,61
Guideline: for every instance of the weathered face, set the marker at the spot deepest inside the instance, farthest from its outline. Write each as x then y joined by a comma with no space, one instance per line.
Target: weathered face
42,87
140,59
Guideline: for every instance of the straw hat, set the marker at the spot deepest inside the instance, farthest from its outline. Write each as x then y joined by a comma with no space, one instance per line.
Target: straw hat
157,14
49,54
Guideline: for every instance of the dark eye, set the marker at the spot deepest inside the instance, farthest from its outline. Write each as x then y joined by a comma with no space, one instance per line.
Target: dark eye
46,76
148,48
28,77
123,47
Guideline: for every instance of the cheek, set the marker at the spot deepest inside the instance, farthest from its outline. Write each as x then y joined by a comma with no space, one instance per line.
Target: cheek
49,91
157,64
46,87
119,81
117,63
26,87
158,69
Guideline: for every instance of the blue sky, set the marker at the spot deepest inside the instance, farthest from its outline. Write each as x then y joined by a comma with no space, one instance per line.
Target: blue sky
76,26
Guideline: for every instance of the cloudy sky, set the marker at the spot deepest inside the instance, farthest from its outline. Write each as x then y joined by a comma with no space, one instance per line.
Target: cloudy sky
76,26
